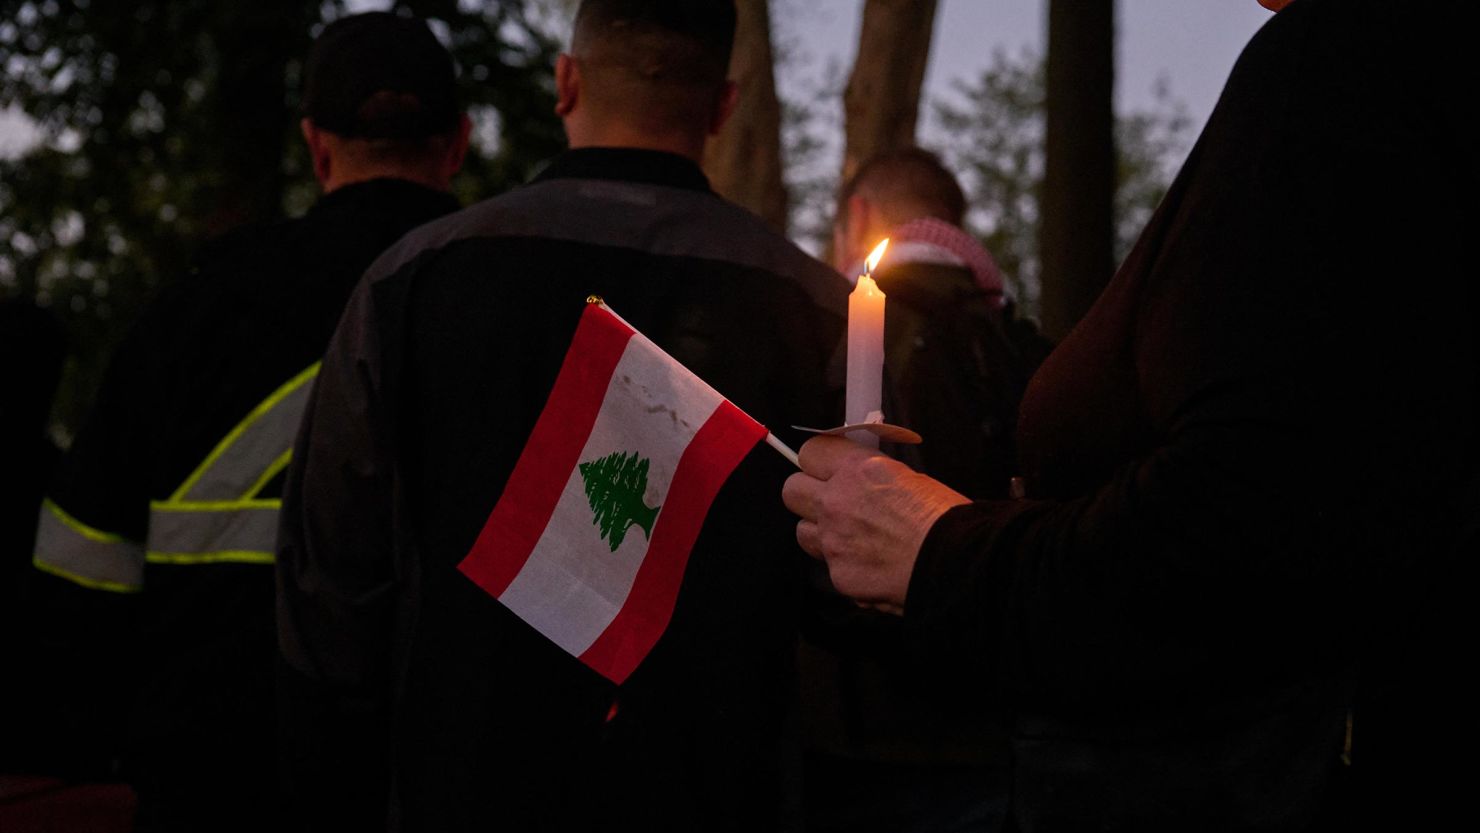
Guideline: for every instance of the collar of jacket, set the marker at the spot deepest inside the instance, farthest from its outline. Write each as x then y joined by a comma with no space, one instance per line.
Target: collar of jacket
651,167
386,191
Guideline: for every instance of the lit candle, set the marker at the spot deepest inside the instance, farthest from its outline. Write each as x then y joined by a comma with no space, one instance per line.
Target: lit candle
866,350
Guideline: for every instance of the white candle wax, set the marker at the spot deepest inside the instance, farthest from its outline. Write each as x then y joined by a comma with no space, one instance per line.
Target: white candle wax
865,356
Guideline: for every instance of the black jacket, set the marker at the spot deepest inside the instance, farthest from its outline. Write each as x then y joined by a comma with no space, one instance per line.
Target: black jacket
157,536
954,376
1250,460
405,676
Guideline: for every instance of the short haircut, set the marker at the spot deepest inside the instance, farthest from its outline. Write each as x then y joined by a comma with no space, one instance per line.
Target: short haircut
908,181
664,59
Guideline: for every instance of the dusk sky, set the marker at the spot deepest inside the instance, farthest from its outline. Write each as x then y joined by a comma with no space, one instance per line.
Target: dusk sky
1193,43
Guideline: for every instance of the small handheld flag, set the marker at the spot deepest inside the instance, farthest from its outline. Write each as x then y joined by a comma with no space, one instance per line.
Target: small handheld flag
589,540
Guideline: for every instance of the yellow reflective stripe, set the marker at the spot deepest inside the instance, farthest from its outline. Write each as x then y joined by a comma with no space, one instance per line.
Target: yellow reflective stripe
223,557
92,583
79,527
215,505
204,528
267,405
272,471
70,549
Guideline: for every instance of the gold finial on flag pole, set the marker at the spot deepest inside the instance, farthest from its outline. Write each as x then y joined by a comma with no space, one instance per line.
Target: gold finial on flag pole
594,299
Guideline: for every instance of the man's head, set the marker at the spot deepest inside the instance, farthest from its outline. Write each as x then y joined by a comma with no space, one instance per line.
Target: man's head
647,74
888,190
380,100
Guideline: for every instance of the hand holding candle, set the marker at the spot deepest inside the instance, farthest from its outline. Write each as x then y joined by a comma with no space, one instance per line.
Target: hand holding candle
864,399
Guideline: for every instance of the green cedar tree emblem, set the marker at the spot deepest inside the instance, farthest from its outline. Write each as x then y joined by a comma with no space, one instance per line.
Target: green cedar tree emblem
614,486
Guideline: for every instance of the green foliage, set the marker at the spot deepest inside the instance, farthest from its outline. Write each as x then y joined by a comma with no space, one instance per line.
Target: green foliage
615,485
1151,147
994,140
166,122
506,59
993,137
991,133
161,123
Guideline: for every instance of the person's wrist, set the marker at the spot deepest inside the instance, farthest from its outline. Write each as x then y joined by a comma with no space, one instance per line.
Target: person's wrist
926,549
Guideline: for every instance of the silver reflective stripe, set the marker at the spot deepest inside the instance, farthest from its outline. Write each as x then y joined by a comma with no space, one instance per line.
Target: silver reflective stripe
215,515
72,550
208,533
245,459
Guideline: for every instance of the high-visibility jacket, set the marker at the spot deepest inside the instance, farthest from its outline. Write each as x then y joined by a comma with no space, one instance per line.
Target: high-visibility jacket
159,531
222,513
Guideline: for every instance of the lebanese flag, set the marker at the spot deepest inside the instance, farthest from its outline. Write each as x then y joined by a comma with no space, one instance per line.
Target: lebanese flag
589,540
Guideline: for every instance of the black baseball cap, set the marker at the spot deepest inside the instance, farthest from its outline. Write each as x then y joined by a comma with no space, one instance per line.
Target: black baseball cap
380,76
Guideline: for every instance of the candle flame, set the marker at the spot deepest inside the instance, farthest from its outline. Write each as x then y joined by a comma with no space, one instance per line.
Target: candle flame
872,261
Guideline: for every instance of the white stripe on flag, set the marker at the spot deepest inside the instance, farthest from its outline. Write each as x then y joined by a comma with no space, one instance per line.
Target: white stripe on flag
572,586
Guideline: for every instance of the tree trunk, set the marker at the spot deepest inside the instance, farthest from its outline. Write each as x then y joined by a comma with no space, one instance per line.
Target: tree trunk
882,101
1077,230
744,161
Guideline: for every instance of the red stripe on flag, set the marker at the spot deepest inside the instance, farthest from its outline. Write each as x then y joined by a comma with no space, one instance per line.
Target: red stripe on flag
539,477
719,446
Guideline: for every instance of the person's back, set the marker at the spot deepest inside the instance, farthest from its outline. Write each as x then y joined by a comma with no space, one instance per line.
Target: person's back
1240,490
32,349
158,534
417,692
898,737
954,376
954,373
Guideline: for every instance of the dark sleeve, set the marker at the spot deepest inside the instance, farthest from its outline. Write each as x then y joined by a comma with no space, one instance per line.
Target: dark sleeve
95,520
337,589
81,602
1208,554
1305,372
1196,566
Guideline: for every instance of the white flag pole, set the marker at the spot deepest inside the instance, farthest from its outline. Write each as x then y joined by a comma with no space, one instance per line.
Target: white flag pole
781,447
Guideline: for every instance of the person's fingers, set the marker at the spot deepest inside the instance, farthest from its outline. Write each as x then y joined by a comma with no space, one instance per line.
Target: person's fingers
822,457
810,537
802,494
